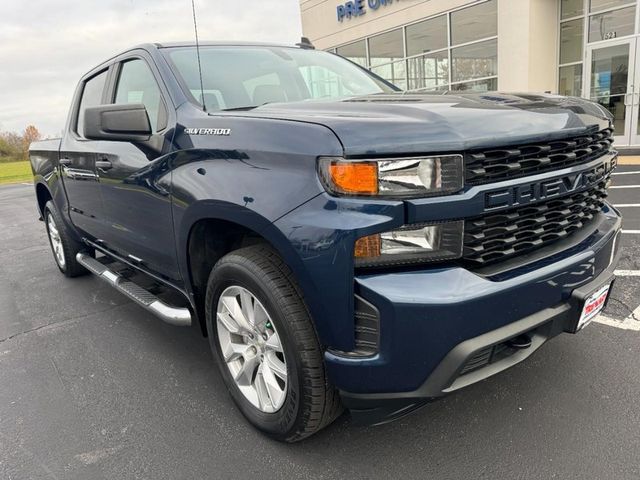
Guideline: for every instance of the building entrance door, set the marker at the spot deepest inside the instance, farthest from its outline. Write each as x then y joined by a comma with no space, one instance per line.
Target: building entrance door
613,80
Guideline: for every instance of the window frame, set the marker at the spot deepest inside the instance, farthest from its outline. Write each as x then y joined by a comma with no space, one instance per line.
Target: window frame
115,79
75,116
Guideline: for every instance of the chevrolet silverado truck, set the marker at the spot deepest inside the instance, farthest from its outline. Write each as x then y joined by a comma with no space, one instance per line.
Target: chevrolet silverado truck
341,243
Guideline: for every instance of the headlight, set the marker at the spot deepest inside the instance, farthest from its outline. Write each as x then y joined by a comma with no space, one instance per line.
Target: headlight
398,177
411,245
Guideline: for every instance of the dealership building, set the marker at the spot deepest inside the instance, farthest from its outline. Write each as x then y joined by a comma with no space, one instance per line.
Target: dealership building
585,48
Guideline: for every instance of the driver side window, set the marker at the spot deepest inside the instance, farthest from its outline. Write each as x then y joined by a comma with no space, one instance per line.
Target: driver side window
136,84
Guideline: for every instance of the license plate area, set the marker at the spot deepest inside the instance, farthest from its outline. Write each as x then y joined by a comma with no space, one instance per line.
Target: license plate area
591,305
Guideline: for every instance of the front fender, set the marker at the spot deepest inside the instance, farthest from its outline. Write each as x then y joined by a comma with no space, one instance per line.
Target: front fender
247,188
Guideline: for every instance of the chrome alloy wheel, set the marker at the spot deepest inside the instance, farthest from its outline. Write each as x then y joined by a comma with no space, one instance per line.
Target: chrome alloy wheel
56,241
251,349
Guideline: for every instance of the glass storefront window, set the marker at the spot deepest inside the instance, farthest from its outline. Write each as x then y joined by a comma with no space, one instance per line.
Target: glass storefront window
427,36
570,80
571,8
356,52
385,48
395,73
475,61
478,86
616,23
454,47
599,5
571,41
428,71
609,71
474,23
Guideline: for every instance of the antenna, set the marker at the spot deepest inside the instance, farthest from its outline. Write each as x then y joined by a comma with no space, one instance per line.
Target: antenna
195,27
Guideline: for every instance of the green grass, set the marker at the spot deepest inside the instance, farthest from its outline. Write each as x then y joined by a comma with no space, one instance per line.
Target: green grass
14,172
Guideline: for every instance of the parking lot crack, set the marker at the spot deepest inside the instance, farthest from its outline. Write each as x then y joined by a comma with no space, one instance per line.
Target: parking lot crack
52,324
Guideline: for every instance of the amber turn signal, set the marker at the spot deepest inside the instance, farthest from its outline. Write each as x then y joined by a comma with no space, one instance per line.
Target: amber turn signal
368,247
355,178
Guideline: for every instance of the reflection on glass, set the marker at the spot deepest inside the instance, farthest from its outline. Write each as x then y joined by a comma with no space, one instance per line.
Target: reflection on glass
598,5
427,36
322,82
474,23
571,41
475,61
428,71
609,77
385,48
395,73
570,82
617,23
488,85
356,52
571,8
615,104
609,71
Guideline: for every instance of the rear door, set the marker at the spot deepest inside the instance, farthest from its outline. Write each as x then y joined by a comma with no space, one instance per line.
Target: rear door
134,176
78,158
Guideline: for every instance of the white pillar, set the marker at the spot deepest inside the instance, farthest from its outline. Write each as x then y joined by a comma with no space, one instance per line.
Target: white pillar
527,45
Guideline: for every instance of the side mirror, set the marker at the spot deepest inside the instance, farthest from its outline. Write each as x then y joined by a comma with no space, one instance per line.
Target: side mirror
124,123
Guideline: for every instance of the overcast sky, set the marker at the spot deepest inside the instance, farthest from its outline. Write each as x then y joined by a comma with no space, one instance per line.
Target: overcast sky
46,45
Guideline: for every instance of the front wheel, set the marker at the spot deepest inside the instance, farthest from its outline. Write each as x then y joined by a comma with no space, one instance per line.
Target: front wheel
266,347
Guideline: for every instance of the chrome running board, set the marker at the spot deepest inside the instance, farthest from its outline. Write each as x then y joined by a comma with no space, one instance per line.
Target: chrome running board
173,315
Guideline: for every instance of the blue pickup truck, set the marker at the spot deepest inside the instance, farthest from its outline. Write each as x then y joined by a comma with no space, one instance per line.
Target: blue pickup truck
342,244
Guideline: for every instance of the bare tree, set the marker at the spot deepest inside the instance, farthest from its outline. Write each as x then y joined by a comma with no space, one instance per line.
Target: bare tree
30,135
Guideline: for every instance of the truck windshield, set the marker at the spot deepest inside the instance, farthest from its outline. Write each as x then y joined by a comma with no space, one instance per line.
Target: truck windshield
247,77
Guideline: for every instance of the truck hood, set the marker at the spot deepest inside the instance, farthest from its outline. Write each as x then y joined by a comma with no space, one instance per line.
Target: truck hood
427,123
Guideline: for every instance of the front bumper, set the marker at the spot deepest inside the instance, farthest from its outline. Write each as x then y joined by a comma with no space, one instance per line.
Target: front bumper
444,329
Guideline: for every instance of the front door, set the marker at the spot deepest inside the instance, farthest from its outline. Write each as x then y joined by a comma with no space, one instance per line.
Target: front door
613,80
135,179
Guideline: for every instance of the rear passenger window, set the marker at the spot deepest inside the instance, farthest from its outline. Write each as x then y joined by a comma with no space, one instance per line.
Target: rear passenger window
91,97
138,85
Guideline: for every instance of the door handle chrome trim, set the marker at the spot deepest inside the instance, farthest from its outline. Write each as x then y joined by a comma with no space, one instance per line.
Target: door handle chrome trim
103,164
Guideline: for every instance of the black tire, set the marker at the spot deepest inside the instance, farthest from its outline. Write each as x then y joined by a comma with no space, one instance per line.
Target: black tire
311,402
70,246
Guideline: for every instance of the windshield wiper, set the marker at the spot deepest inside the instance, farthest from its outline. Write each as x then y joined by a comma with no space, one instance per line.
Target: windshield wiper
247,107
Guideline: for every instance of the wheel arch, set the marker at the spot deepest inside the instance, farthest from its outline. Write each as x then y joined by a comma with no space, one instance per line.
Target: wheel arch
214,233
43,195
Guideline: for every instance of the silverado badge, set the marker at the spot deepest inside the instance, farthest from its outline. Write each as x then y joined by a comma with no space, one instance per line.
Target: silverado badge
208,131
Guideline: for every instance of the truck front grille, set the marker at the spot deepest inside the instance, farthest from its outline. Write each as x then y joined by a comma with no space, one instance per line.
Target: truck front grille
499,236
492,165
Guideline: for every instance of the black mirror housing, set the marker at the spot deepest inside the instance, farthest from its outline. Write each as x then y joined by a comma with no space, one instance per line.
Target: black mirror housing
124,123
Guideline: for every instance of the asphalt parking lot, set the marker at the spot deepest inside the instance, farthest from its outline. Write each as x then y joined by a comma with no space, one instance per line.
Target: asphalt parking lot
93,387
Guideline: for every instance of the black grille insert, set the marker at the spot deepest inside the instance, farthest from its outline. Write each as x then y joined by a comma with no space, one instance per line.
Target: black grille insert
367,327
497,164
499,236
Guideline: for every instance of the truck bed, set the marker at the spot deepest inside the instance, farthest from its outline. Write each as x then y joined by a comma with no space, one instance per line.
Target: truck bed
44,155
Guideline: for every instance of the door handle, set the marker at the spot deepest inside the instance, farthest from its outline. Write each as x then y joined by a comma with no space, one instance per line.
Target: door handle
103,164
65,161
628,103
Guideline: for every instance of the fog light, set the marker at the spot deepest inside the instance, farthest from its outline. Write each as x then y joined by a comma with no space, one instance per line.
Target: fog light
411,244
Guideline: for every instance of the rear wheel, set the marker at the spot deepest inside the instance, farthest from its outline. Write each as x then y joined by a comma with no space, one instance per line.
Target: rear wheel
63,245
266,347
